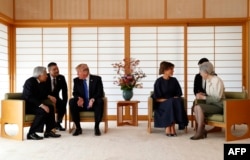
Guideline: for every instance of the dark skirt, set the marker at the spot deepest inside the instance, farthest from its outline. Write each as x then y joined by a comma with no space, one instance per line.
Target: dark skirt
170,111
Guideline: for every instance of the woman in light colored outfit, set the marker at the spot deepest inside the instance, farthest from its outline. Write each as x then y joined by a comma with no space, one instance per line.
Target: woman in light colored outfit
213,99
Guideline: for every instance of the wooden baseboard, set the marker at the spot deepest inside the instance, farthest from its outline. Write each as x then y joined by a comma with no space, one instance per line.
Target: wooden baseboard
113,118
140,118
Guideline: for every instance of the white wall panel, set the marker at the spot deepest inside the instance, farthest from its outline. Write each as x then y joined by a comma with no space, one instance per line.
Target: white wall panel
41,46
99,47
222,45
4,65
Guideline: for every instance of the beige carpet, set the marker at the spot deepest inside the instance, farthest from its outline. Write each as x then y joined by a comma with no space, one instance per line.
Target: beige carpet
120,143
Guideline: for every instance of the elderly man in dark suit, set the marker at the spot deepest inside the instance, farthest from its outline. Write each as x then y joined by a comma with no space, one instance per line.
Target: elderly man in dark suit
56,84
87,96
38,102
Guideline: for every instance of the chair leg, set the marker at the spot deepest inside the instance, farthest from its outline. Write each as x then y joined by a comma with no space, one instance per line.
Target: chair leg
18,136
149,126
105,126
65,121
70,126
186,129
20,132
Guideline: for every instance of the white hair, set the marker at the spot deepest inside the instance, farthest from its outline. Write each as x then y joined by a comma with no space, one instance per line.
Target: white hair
39,70
207,67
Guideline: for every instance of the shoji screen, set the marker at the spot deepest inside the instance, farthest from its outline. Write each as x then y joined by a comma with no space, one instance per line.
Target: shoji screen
151,45
55,48
222,45
4,65
28,53
38,47
99,47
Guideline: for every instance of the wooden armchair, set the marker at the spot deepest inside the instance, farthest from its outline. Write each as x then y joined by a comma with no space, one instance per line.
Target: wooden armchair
236,111
151,113
13,112
89,117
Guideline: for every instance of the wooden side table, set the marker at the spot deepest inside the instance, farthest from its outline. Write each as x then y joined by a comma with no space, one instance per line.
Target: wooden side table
127,119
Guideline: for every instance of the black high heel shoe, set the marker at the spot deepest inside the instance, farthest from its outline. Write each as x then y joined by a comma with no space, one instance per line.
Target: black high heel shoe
202,136
168,134
171,135
197,137
205,134
174,135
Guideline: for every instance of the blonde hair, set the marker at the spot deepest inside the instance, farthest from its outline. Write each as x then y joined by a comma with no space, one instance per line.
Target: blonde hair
82,67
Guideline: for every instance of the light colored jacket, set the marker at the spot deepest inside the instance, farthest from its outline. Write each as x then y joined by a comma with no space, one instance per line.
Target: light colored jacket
214,90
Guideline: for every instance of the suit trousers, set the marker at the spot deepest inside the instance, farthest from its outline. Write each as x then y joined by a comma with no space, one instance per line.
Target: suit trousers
60,109
43,118
75,110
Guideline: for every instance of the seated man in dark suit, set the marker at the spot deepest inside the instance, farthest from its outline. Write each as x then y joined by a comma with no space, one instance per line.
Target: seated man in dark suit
87,96
39,103
56,84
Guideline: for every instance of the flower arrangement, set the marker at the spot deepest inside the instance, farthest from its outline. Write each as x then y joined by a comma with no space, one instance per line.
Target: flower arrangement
130,80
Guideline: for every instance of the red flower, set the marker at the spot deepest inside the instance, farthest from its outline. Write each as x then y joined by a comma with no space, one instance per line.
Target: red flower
131,80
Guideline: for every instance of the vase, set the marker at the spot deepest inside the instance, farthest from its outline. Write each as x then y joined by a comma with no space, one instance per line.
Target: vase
127,94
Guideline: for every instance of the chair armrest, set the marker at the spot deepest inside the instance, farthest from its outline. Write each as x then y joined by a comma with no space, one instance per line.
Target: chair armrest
236,110
13,110
105,107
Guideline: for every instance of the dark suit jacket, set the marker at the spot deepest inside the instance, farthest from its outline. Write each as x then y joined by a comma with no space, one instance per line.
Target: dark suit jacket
34,93
198,84
95,87
60,86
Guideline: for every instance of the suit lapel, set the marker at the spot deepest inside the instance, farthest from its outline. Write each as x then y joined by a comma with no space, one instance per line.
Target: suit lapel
49,81
80,85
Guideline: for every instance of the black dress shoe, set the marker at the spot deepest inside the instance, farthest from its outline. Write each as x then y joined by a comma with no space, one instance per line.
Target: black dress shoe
34,136
51,134
97,132
59,127
77,132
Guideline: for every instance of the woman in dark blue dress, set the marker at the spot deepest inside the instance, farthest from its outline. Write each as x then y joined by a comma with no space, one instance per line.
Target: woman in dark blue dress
169,106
